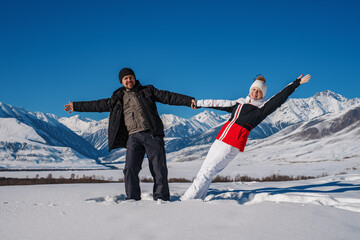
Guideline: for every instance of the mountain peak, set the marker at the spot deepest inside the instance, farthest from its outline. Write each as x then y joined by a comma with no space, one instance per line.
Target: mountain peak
205,116
80,118
331,94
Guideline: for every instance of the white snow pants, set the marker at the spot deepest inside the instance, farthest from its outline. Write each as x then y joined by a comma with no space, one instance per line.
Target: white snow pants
218,157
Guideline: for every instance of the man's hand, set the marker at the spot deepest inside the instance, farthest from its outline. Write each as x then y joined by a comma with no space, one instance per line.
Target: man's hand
193,104
304,79
69,107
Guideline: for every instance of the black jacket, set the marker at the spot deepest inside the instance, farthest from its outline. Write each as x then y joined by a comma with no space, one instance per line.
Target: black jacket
147,96
251,116
245,117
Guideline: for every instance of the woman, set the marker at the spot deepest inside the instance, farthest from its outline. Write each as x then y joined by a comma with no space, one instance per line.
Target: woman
245,115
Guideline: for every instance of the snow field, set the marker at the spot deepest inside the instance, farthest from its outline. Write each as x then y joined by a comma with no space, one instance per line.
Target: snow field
326,208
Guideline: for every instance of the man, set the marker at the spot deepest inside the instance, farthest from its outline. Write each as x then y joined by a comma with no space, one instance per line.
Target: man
135,124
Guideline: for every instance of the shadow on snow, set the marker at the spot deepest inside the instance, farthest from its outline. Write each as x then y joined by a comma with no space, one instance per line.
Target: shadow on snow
244,196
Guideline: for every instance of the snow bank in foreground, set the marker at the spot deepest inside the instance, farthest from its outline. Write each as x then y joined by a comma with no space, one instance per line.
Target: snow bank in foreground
326,208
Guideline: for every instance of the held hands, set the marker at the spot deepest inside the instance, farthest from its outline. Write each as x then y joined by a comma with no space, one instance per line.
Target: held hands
69,107
193,104
304,79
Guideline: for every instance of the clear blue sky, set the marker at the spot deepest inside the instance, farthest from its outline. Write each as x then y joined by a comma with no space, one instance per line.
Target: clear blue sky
55,51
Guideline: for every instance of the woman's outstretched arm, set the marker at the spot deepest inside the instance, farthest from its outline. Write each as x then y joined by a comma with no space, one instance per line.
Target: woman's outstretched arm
277,100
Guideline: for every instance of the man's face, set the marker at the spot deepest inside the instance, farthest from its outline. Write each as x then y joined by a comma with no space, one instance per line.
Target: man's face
256,93
128,81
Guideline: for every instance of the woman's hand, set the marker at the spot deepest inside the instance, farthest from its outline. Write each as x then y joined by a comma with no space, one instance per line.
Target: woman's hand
304,79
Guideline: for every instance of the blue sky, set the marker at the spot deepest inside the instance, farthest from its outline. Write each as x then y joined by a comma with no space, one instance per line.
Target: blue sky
55,51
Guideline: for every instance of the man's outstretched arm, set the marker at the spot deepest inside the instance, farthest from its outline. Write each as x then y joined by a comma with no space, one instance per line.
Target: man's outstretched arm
102,105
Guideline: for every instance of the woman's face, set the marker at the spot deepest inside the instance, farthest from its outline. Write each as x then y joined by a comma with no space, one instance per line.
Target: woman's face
256,93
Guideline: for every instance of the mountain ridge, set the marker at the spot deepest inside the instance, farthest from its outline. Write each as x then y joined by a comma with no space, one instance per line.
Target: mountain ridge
84,138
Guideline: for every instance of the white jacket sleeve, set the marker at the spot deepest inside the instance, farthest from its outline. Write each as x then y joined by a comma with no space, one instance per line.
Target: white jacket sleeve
215,103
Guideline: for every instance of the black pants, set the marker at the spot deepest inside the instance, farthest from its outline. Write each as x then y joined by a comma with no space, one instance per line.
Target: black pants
137,145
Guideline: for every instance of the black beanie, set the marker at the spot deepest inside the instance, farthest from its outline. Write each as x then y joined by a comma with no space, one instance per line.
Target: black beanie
124,72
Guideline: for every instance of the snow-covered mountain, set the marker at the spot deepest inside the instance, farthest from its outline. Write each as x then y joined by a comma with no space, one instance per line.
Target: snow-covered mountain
29,139
203,127
95,132
326,145
175,126
292,112
38,137
306,109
